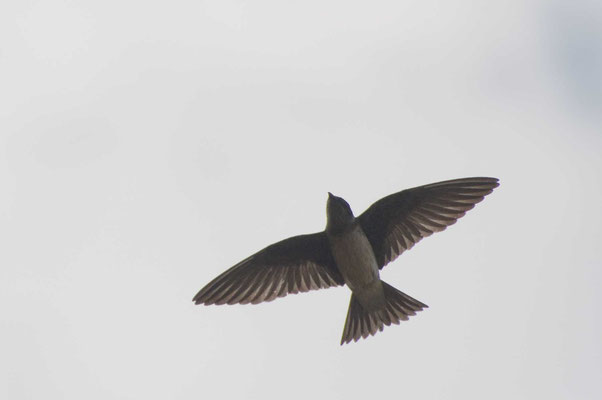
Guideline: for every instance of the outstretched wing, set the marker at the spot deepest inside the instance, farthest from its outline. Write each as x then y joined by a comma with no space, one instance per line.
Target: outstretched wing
297,264
397,222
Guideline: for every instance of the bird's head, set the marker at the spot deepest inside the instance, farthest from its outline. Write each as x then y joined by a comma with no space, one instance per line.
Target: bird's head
338,213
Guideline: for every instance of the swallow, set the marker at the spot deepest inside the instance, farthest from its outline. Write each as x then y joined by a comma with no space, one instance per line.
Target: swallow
351,251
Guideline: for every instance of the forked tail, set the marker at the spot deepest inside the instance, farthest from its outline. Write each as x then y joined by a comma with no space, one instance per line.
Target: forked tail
361,323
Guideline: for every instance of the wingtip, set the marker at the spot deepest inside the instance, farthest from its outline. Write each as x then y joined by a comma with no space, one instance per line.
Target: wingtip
197,299
494,180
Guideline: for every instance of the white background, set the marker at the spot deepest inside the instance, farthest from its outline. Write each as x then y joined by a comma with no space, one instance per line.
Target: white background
146,146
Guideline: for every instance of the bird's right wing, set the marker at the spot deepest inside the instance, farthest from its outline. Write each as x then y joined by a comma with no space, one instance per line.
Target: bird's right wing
397,222
297,264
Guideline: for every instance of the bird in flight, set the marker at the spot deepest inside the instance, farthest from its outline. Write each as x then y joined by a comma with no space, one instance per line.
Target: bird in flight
352,251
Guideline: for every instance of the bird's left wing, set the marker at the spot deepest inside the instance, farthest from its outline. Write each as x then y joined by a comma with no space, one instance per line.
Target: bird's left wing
297,264
395,223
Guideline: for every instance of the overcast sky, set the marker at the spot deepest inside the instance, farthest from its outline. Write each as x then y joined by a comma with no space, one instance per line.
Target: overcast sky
147,146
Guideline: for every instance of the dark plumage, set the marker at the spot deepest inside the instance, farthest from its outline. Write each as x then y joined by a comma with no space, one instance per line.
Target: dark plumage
352,251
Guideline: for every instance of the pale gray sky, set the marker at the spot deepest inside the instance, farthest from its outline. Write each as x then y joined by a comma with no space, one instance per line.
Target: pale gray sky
145,147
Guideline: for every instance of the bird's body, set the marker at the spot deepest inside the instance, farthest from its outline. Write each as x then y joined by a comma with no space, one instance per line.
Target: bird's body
355,260
352,251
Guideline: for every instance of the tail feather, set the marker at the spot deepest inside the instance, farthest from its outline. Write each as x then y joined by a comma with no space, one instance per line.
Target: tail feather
361,323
